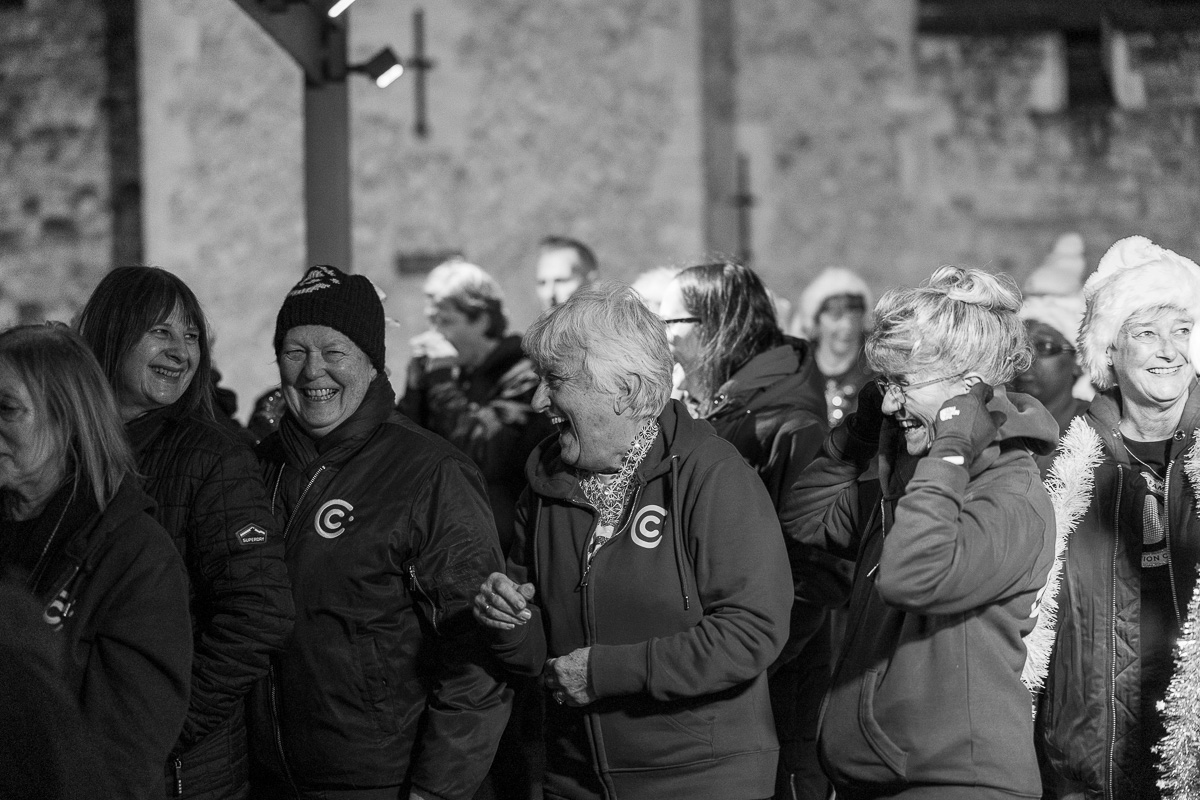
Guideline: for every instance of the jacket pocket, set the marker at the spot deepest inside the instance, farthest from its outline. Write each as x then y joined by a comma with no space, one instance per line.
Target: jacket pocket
658,735
887,750
377,694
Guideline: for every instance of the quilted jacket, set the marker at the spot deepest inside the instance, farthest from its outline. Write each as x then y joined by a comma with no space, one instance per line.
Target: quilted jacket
211,500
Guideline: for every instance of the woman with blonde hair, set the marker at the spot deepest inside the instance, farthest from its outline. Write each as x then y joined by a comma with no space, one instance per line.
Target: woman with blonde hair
927,699
79,536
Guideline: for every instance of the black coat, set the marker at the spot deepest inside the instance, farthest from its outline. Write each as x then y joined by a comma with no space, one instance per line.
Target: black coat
386,680
211,500
116,589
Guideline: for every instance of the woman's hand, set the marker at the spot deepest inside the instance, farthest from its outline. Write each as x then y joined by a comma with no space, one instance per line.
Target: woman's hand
964,426
435,348
865,423
501,602
567,678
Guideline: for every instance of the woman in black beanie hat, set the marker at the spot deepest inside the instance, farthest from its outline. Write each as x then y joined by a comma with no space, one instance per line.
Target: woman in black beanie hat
389,534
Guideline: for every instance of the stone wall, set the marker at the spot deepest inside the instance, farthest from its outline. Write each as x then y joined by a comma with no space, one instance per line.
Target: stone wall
55,222
563,117
893,153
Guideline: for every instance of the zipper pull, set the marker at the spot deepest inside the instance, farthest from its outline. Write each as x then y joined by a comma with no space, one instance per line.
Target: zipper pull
178,777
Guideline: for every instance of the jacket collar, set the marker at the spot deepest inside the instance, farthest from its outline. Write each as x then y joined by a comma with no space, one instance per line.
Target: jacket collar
782,374
1104,415
376,406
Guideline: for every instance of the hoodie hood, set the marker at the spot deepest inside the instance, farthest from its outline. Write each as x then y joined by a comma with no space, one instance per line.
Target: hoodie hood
678,435
783,375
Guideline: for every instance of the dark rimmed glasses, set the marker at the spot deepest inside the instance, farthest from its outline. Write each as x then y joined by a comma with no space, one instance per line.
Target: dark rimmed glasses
1050,349
680,320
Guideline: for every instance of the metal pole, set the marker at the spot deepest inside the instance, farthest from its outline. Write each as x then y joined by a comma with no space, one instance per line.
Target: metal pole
327,212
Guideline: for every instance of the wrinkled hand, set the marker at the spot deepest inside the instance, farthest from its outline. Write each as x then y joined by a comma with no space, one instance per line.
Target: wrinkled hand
435,348
501,602
567,678
964,426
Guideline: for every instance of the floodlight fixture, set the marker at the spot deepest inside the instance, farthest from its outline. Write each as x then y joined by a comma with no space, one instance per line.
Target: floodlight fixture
384,67
337,8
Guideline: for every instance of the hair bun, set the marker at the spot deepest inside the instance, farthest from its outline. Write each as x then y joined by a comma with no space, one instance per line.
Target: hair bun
995,292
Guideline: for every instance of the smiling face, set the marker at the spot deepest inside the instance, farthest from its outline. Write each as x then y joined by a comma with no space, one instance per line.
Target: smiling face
159,367
1150,358
840,325
682,337
915,407
592,435
31,465
324,377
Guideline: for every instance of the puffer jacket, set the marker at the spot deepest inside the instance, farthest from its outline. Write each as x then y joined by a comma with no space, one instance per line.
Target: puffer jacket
117,590
386,681
211,500
1091,713
927,690
774,414
487,414
684,608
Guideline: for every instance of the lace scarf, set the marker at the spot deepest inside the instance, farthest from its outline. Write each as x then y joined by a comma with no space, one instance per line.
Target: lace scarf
610,497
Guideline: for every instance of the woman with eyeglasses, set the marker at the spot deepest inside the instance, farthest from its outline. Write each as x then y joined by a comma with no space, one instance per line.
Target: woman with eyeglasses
1131,463
932,486
760,390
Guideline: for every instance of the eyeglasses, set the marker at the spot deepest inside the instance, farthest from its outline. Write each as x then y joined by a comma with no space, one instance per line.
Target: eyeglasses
1049,349
886,384
680,320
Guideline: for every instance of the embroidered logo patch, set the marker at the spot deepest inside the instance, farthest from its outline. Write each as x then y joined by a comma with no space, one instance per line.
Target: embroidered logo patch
647,526
331,518
59,609
251,534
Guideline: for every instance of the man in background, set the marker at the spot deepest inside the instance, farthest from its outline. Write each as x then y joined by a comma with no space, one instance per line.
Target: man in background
563,265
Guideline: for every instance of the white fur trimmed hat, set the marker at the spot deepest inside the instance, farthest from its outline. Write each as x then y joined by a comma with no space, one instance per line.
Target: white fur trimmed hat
1135,274
832,281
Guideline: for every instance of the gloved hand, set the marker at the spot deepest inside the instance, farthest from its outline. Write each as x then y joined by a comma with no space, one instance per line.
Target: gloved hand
864,424
964,426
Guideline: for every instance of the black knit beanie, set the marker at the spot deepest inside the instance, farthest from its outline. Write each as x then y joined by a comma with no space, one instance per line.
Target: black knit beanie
347,303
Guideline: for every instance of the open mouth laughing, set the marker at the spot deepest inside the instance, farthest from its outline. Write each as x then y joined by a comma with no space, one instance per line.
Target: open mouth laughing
318,395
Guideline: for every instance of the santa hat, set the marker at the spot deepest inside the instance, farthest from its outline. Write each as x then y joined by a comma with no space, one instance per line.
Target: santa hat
1064,314
832,282
1134,275
1061,273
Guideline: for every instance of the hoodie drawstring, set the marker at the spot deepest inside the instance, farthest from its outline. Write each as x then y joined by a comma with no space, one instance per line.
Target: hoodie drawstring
537,524
676,533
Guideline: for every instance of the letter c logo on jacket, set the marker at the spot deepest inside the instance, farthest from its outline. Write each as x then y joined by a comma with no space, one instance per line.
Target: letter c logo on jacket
647,526
329,522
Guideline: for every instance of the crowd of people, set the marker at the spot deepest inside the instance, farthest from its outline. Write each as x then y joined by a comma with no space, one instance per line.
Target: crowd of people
666,543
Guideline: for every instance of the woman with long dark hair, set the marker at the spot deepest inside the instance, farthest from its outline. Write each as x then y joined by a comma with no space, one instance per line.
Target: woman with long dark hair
756,387
150,336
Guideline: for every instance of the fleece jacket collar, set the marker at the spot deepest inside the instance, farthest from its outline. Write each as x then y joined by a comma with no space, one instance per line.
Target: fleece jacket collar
678,436
779,376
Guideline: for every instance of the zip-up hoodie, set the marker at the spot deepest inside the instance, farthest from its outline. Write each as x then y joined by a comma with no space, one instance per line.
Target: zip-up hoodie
1094,732
949,561
684,608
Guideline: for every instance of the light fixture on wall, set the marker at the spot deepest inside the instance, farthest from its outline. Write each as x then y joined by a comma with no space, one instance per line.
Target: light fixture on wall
384,67
338,7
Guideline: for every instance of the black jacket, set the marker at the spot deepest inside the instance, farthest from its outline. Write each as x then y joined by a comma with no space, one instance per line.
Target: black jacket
212,502
117,590
1095,734
486,413
386,680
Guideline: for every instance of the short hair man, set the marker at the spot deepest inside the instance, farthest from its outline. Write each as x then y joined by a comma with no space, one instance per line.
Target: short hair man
563,265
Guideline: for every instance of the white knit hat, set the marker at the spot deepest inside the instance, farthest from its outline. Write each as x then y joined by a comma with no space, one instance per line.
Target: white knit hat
1135,274
832,281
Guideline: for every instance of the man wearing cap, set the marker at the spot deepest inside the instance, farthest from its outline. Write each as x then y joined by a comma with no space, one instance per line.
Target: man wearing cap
384,690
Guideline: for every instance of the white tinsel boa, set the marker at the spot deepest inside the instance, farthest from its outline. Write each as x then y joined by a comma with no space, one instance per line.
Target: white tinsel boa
1179,750
1070,485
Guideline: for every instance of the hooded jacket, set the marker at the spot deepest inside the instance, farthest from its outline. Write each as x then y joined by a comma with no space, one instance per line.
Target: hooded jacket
771,413
684,608
1092,707
949,561
117,590
211,500
386,680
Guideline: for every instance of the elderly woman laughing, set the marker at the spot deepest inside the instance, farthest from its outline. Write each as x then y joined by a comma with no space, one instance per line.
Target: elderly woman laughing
648,583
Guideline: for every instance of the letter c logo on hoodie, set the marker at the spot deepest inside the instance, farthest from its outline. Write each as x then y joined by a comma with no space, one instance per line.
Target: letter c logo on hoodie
647,526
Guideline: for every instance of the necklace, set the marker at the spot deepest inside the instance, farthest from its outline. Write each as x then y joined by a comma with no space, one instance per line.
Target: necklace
1133,455
36,573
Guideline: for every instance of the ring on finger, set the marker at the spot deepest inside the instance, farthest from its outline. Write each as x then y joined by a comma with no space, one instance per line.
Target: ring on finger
559,697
